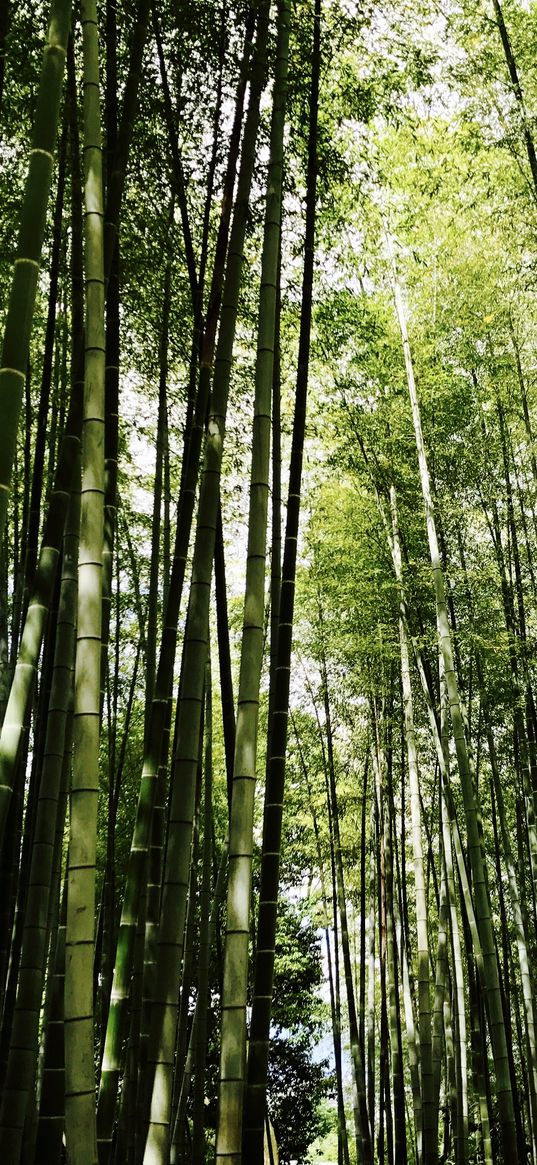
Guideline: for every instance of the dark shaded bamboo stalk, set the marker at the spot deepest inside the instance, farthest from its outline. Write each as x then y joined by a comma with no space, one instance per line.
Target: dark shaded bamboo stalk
22,1063
281,666
234,993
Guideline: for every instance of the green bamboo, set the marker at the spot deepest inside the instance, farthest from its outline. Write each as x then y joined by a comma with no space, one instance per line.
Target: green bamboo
371,982
34,514
180,1115
80,1128
22,686
20,310
479,1060
179,182
400,1142
343,1146
514,892
234,993
4,29
22,1062
117,169
481,891
440,983
282,610
197,617
182,1130
194,431
430,1144
52,1099
198,1119
520,928
385,1124
386,1112
152,613
458,1009
412,1049
516,89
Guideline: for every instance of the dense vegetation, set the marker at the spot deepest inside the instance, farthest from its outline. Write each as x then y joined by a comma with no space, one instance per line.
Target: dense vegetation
268,582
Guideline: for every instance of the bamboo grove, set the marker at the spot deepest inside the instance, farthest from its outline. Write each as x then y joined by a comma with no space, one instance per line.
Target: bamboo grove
268,583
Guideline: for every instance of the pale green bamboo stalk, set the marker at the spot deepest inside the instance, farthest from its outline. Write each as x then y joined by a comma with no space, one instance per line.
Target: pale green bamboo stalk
234,993
18,325
371,982
198,1120
430,1141
412,1048
439,990
80,1127
442,757
461,1127
450,1106
387,952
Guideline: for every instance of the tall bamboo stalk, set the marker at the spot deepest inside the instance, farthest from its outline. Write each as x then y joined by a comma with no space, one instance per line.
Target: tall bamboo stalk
282,622
234,994
430,1146
80,1128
